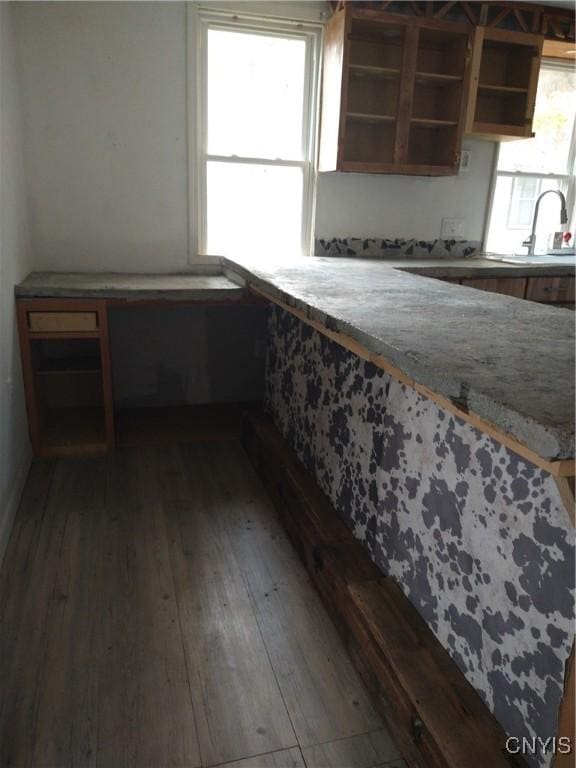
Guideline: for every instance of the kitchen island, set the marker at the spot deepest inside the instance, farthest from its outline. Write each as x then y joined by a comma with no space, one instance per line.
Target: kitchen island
411,402
509,362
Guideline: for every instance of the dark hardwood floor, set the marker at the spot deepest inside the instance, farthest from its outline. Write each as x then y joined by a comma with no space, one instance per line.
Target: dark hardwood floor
153,613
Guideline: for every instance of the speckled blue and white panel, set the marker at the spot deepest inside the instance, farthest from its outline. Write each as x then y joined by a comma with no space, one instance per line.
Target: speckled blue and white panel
399,248
478,538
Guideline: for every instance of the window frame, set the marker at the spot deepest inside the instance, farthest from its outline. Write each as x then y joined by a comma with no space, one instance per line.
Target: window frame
566,181
271,27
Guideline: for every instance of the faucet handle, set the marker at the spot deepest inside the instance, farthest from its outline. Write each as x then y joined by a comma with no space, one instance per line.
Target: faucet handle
528,242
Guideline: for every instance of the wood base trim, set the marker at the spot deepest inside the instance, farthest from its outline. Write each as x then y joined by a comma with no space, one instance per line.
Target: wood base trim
434,714
560,468
566,490
567,717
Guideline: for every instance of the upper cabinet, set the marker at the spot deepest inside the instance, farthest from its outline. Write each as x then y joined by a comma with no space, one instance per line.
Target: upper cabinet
394,95
399,92
505,67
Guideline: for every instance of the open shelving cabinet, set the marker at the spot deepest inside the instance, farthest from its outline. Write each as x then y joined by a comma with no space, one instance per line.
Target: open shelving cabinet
66,368
394,93
504,79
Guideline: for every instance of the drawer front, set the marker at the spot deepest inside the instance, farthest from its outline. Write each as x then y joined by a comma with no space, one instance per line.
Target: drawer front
509,286
62,322
551,289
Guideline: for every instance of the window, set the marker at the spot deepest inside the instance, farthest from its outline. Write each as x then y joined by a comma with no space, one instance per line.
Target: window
257,130
529,167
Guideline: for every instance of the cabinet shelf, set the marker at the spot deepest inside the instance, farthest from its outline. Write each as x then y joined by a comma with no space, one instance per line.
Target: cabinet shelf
499,131
368,118
71,365
426,122
501,89
367,70
437,78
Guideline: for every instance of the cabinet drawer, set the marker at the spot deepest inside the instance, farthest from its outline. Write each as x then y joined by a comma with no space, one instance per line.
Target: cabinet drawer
510,286
551,289
62,322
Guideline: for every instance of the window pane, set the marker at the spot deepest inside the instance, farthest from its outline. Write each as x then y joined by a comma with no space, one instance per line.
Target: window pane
553,124
510,223
255,95
524,194
254,210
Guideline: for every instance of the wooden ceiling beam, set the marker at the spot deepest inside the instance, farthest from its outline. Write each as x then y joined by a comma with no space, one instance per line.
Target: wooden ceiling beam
553,23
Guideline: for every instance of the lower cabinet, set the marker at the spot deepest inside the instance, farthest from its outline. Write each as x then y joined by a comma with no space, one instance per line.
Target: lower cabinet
545,289
66,368
509,286
552,290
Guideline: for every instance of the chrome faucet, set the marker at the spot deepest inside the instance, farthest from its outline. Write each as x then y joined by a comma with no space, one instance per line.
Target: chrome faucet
530,241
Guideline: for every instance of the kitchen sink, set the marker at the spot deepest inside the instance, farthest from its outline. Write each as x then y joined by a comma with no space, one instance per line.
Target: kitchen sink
537,259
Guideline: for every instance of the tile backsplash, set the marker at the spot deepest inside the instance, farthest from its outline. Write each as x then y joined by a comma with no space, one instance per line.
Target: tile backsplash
386,248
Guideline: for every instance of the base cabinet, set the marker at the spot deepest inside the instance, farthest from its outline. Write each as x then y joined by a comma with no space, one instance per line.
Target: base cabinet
509,286
551,290
545,289
66,366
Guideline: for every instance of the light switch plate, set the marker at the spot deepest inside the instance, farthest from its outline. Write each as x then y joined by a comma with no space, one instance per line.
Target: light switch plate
465,161
452,228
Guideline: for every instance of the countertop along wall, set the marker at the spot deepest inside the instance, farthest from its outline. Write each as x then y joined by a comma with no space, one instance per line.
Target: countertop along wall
14,264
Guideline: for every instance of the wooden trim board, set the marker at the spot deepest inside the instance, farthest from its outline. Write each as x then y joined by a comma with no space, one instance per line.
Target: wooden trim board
567,717
566,490
560,468
435,716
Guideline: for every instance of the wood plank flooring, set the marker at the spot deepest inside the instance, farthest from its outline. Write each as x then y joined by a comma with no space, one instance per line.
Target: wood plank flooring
153,613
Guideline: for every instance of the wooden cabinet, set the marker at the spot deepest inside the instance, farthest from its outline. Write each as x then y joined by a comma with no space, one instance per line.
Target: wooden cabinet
546,289
394,93
551,290
509,286
505,68
66,367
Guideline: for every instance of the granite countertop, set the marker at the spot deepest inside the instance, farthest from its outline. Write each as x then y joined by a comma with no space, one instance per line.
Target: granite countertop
177,287
509,361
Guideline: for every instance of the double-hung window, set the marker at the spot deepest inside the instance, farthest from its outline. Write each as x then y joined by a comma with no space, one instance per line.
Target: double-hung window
529,167
256,134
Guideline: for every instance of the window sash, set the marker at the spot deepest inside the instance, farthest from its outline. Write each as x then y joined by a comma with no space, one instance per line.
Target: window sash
271,28
566,181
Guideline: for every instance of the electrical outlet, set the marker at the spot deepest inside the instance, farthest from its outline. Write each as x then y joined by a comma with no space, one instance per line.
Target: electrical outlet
465,161
452,228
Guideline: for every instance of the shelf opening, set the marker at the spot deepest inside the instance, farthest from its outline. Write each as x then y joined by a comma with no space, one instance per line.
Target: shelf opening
369,141
376,44
507,108
506,64
373,96
432,144
441,52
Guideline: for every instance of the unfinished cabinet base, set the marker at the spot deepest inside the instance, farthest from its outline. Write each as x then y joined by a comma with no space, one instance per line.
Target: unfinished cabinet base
65,354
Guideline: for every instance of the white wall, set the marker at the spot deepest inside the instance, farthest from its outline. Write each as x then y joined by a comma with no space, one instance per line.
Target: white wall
104,110
14,264
363,205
